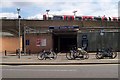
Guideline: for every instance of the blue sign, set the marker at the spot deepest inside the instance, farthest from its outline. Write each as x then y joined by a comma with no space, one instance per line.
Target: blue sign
63,27
27,42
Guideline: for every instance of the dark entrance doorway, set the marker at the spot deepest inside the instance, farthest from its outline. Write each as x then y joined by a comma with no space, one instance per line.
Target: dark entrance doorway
64,41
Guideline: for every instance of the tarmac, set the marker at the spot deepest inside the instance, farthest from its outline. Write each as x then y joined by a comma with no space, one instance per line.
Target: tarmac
12,59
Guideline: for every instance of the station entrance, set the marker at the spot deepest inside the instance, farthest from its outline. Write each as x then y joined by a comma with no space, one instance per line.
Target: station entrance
63,41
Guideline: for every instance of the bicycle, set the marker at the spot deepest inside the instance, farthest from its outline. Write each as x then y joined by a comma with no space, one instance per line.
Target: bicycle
74,54
47,55
102,53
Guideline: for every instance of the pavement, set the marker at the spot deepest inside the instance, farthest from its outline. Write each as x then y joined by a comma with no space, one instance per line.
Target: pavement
32,59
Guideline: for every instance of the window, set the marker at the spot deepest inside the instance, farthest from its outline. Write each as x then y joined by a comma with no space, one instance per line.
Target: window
97,18
57,18
78,18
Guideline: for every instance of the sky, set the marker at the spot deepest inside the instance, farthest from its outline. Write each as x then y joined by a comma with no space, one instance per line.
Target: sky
35,9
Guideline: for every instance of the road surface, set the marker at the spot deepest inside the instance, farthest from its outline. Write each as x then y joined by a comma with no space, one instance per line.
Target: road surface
60,71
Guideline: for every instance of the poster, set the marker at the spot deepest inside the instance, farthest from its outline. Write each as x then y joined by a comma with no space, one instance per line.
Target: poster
41,42
38,42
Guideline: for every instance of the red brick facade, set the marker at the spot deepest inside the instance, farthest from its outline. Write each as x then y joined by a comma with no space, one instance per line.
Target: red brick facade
33,42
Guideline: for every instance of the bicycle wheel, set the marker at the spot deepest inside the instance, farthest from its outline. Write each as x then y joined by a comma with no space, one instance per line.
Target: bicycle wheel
99,55
54,55
69,56
114,55
41,56
86,55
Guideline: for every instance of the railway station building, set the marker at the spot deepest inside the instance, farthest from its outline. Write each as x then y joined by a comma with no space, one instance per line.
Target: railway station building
60,35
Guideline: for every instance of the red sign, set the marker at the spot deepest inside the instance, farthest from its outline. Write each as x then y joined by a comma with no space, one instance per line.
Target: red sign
38,43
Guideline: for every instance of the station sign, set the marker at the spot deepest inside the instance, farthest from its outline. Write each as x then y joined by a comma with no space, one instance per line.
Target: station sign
63,27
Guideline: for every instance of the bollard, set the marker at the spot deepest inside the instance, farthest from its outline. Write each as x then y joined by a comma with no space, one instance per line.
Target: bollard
16,52
19,55
29,52
5,53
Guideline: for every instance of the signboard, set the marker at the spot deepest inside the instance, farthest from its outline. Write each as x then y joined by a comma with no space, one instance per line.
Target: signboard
41,42
63,27
27,42
38,42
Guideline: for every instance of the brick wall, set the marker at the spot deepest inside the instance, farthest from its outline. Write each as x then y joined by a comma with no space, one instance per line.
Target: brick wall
33,42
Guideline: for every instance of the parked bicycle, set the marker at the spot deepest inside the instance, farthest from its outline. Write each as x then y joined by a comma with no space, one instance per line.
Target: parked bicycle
79,53
47,54
102,53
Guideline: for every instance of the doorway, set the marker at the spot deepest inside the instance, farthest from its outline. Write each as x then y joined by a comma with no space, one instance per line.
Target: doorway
64,42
